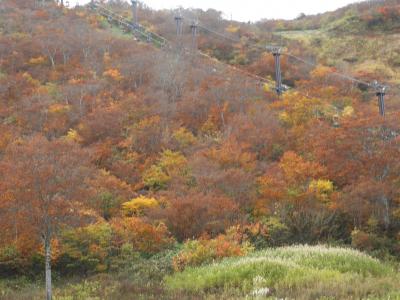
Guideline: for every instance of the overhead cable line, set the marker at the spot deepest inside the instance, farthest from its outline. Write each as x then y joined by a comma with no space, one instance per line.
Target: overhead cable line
163,42
220,34
336,73
380,89
276,51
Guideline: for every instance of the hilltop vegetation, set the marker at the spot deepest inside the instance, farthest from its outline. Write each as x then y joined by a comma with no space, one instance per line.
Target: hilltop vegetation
134,171
362,39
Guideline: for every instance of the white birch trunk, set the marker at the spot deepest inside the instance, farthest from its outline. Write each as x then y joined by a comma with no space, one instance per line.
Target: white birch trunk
47,246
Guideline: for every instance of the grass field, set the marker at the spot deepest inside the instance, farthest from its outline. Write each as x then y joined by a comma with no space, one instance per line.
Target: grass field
297,272
301,272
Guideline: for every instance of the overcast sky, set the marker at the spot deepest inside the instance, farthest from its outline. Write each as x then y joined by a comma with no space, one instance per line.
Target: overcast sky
251,10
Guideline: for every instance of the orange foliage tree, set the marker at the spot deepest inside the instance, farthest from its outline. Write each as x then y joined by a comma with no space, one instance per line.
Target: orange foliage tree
45,190
192,215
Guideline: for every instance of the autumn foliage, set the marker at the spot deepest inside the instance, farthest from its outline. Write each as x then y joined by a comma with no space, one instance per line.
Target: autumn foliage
111,149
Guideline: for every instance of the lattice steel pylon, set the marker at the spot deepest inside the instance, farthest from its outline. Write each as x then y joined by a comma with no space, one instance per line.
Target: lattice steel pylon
134,12
179,25
276,52
380,92
194,27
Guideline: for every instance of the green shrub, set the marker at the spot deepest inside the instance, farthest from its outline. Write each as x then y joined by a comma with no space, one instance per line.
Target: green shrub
145,271
15,263
277,234
10,261
379,246
85,250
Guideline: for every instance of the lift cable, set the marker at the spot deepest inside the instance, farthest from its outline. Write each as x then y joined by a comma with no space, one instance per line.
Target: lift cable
311,64
276,51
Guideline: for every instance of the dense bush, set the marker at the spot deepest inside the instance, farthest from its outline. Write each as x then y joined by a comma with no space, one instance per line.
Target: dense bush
195,214
203,251
10,261
378,246
104,247
144,237
85,250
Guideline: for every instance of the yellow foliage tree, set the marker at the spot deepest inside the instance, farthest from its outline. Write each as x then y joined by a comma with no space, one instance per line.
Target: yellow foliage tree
184,137
139,205
59,108
74,136
348,111
297,110
322,189
169,165
172,162
40,60
155,178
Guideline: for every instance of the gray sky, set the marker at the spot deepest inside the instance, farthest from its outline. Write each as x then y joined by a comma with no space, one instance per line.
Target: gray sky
251,10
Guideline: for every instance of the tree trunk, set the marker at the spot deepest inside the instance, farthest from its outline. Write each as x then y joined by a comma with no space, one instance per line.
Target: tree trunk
386,211
81,105
53,63
47,246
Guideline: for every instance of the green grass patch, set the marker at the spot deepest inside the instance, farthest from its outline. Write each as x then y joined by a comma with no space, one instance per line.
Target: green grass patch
292,272
301,35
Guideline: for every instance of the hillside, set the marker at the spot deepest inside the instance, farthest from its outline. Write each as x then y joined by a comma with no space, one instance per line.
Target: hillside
362,39
126,165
